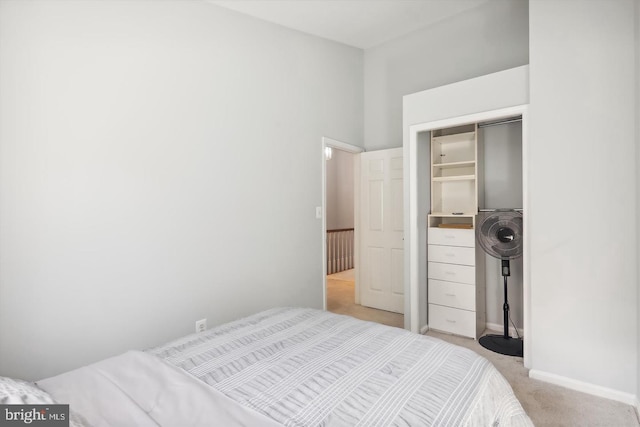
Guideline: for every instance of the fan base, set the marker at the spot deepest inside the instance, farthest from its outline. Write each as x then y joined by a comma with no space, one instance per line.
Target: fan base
500,344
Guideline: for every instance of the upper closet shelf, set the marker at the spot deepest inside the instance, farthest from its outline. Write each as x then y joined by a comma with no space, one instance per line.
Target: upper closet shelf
459,148
455,137
453,178
454,164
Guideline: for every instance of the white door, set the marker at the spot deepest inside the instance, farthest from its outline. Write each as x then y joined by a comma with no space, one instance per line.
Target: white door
381,235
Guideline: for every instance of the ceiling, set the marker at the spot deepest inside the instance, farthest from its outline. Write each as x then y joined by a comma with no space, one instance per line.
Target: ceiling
359,23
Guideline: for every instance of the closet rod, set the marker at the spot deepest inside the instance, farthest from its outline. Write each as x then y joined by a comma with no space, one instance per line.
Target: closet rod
493,210
500,122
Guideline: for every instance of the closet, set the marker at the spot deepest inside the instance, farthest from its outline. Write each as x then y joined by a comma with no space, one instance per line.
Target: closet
476,101
473,168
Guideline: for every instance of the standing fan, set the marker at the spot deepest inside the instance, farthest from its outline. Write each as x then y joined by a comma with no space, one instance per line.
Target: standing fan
500,235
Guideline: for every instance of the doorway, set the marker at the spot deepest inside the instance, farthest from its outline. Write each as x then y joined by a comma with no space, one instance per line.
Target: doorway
341,217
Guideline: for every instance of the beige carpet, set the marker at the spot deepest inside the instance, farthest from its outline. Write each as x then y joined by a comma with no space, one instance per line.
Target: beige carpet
341,300
547,404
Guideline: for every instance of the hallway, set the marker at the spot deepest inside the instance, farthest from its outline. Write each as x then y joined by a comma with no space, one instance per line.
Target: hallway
341,300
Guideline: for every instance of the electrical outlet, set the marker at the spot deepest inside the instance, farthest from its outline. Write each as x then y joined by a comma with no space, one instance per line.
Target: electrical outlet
201,325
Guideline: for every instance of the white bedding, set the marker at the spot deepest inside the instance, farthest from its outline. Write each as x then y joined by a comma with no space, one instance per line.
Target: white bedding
305,367
137,389
294,367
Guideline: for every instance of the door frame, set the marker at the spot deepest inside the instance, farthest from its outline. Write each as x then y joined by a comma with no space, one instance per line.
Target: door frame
415,248
354,149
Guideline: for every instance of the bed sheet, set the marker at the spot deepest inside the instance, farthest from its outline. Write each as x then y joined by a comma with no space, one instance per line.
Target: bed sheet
137,389
305,367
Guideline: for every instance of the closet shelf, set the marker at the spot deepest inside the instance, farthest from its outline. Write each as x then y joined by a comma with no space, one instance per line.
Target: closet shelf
454,178
454,165
454,137
451,215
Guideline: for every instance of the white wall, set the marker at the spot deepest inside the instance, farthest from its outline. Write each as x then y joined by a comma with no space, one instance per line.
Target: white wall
582,189
483,40
339,204
160,163
638,183
502,166
502,177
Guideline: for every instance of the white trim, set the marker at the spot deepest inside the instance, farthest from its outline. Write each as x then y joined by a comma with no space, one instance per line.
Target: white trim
469,118
334,143
412,175
424,329
527,325
593,389
329,142
356,229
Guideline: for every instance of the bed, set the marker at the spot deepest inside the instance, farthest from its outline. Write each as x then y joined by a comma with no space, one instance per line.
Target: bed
292,367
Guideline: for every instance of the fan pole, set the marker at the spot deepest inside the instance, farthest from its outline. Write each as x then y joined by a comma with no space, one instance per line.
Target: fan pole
503,344
505,308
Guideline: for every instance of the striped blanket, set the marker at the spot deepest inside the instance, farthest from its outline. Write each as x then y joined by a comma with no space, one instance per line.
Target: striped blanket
305,367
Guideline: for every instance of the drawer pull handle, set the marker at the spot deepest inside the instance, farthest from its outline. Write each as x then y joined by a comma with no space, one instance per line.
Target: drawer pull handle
450,295
449,236
451,321
450,273
449,254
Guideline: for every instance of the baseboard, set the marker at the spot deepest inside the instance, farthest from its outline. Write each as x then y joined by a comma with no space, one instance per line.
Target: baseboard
637,407
494,327
596,390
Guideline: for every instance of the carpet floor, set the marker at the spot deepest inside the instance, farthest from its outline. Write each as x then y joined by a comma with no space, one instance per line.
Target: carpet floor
341,300
548,405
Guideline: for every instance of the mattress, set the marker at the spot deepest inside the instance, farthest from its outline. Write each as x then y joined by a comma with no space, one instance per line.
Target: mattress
305,367
293,367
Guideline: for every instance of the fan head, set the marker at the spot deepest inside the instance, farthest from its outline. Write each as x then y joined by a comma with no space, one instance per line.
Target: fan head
499,233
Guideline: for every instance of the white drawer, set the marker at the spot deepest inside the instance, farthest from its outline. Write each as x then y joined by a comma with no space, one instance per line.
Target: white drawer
451,272
451,237
453,320
450,294
452,254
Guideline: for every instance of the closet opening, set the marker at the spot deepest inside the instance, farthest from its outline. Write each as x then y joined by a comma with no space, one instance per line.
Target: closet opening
475,168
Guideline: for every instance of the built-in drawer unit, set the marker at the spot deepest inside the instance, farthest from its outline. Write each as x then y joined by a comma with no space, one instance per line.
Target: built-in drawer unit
451,272
455,267
452,254
451,237
454,320
450,294
455,292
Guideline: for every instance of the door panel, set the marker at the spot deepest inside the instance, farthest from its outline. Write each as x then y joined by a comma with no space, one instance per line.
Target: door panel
397,217
397,271
381,225
374,261
376,207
